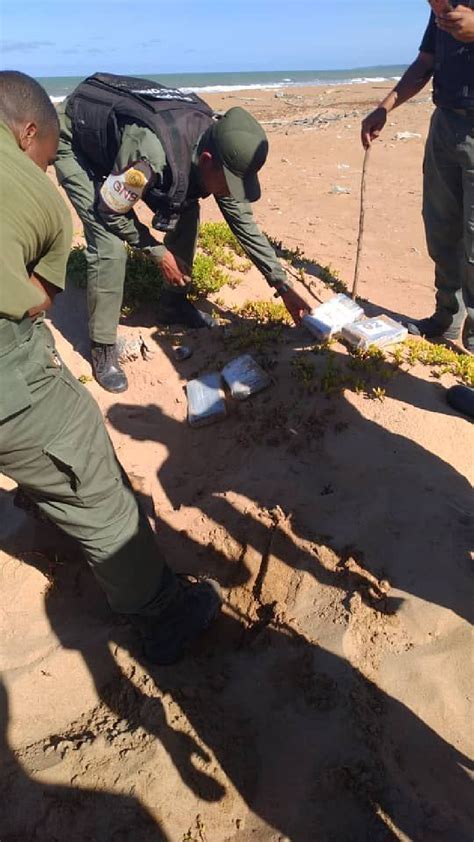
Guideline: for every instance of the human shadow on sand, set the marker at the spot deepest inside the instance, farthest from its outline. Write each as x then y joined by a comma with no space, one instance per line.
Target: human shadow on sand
33,810
346,481
315,750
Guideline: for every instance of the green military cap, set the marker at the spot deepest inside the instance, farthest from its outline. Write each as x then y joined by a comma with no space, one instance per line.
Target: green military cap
242,146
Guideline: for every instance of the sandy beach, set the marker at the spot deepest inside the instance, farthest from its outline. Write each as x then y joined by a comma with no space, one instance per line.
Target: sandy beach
332,700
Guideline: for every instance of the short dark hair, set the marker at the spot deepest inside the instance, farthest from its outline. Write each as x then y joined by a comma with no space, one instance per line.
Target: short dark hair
23,99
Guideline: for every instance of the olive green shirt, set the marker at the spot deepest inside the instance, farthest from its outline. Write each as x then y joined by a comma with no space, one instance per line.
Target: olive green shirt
35,230
138,142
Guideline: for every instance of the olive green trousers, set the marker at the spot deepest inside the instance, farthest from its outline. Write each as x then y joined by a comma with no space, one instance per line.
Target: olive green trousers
448,212
54,444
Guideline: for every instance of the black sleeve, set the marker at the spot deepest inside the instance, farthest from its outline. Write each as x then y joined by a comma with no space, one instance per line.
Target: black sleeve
428,44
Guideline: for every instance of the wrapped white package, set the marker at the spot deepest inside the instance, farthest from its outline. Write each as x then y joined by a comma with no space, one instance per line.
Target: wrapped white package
206,400
378,331
244,377
329,318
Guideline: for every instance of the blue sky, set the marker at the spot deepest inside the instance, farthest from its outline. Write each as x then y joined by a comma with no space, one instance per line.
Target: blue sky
76,37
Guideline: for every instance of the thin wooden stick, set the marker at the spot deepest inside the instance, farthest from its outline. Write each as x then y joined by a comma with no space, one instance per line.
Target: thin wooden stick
360,238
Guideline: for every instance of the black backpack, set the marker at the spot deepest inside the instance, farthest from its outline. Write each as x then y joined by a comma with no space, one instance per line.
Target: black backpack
100,106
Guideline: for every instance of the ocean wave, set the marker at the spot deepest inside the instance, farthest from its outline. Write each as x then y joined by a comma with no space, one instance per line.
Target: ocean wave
262,86
213,89
363,80
289,83
222,89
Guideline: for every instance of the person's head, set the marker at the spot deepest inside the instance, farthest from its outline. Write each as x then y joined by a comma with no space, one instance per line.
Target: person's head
29,113
231,153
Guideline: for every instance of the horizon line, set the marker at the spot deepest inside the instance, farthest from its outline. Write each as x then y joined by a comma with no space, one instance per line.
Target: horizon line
241,72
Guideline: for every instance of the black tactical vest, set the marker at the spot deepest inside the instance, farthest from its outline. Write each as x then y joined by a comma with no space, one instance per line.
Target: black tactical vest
104,102
453,82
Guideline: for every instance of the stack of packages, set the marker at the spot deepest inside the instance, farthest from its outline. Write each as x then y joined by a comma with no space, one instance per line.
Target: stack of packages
243,377
342,316
206,397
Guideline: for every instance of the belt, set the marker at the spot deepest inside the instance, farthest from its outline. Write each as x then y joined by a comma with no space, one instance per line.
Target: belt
13,333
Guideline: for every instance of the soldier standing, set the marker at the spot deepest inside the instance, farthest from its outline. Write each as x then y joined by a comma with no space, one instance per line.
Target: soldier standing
53,440
447,54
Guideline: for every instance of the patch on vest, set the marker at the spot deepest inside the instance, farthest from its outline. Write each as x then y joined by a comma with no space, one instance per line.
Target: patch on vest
121,191
164,94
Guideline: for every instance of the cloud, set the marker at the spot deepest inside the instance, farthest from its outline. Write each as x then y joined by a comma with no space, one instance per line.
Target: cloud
21,46
80,49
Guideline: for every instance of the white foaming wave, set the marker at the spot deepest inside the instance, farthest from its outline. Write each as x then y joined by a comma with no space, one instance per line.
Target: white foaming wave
260,86
212,89
363,80
220,89
287,83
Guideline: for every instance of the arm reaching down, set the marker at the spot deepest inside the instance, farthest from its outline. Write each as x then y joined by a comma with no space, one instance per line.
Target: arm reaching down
240,220
48,292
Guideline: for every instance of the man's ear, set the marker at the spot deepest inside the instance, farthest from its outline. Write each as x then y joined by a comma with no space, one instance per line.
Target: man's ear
26,135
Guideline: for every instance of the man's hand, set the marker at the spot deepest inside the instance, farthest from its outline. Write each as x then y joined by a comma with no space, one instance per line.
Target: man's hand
459,23
296,306
412,82
48,290
373,125
172,271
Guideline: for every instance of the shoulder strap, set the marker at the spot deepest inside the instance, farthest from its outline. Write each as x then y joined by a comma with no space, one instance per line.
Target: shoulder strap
145,90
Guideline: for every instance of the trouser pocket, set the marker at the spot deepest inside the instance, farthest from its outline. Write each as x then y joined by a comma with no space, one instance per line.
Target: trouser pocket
15,395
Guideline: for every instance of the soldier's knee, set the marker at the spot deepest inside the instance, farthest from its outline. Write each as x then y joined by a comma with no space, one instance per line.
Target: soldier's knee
106,247
112,249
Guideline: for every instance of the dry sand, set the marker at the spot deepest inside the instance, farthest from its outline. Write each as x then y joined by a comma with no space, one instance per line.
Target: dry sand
330,703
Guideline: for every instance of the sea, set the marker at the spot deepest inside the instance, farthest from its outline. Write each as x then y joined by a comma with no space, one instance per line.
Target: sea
58,87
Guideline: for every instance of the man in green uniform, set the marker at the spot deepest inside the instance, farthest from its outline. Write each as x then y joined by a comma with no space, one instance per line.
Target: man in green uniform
124,139
53,441
447,54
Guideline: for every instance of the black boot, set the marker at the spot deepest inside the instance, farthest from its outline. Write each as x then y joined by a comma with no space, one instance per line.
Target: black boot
461,398
174,308
431,329
195,606
107,369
